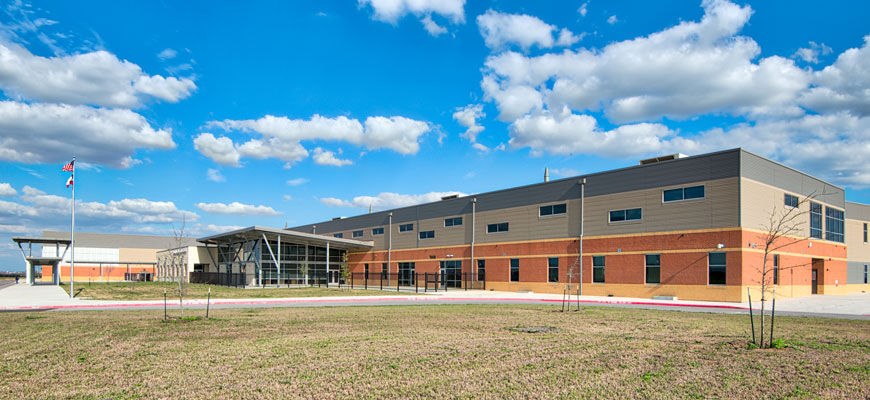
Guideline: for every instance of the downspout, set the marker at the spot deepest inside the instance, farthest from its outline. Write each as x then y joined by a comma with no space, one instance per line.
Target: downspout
582,209
389,245
472,264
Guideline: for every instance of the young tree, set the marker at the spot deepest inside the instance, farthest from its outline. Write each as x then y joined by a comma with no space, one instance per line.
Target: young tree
785,227
178,259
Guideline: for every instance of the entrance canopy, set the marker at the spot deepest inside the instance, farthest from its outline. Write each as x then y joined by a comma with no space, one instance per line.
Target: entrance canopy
40,260
264,256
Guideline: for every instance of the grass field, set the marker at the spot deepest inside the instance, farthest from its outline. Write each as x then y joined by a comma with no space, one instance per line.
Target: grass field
438,352
154,291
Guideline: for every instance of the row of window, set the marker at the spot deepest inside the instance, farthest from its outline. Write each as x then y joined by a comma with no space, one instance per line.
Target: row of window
834,220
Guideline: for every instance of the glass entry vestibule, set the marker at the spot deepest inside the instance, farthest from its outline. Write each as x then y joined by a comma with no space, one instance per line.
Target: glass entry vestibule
451,273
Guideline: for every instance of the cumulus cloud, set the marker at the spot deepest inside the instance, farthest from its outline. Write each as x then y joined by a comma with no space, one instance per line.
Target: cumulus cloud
433,28
325,157
236,208
7,190
612,20
689,69
281,136
48,133
844,84
392,10
94,78
811,54
501,29
582,10
388,200
467,116
215,175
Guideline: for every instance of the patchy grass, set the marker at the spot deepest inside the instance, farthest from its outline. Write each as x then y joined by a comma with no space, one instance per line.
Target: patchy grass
154,291
427,352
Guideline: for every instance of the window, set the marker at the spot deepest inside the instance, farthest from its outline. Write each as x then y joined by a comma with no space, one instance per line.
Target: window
833,224
632,214
865,273
481,270
791,201
815,220
495,228
865,232
717,268
553,269
427,234
406,228
653,268
554,209
378,231
597,269
367,271
515,269
357,234
453,221
338,235
384,267
406,273
686,193
776,269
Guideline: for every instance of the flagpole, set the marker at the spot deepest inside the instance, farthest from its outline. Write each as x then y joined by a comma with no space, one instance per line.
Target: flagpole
72,269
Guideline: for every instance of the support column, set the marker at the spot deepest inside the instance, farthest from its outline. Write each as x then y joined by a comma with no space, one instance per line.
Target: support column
279,261
327,264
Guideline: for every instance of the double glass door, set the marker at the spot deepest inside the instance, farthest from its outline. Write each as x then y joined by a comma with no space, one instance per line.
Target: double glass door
451,273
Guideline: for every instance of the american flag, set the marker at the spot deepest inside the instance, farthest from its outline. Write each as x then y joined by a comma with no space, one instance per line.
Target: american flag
69,166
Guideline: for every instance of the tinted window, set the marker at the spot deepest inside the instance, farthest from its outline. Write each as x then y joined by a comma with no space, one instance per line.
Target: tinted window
791,201
515,269
833,224
357,233
453,221
693,192
816,220
553,269
717,268
427,234
338,235
481,270
406,227
687,193
633,214
500,227
653,268
598,269
378,231
673,195
554,209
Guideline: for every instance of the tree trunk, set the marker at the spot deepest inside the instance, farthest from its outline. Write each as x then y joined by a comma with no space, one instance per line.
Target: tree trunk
761,342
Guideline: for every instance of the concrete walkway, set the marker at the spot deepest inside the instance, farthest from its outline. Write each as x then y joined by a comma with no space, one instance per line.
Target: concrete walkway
42,298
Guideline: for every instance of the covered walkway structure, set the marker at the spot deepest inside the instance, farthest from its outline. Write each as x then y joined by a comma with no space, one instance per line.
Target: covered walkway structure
259,256
39,261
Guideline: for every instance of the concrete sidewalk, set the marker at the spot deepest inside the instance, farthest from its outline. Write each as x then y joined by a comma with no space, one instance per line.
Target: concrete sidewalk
22,297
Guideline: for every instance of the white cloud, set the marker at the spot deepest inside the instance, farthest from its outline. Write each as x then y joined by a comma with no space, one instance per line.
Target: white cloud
811,54
7,190
31,133
215,175
95,78
433,28
297,181
844,84
392,10
501,29
569,133
612,20
582,10
167,54
287,197
467,116
479,147
689,69
325,157
14,229
236,208
281,136
387,200
565,172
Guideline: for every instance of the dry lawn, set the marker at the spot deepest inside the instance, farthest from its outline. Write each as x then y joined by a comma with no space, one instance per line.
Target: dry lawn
154,291
437,352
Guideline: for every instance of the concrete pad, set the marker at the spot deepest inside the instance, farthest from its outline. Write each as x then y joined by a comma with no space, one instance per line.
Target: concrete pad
24,295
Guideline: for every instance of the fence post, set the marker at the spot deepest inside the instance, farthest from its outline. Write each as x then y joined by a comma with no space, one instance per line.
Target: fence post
351,281
416,286
425,282
397,282
382,280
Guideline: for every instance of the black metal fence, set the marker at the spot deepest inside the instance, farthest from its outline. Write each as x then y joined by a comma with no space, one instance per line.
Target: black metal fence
218,278
413,281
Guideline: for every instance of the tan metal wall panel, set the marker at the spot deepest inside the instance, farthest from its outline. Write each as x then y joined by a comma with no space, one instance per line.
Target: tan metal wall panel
137,255
758,200
856,248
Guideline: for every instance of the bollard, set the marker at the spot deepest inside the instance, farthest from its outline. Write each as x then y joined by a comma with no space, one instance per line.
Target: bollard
164,304
208,303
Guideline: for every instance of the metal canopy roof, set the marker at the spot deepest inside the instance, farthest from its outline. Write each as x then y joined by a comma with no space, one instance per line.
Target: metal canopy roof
43,260
41,240
257,232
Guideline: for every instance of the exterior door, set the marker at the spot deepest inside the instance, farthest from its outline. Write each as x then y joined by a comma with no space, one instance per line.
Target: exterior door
451,273
815,281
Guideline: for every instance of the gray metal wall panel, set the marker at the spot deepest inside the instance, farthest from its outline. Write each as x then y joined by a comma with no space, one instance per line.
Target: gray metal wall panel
855,271
857,211
111,240
775,174
705,167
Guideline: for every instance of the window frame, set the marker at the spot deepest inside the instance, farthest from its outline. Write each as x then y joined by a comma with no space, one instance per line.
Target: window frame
866,273
837,220
794,199
625,213
647,267
552,208
816,232
865,232
339,235
551,267
452,222
481,270
427,234
683,194
724,268
358,233
498,225
378,231
512,268
601,268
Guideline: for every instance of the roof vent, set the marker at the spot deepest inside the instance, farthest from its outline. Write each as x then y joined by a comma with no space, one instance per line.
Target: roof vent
662,158
452,196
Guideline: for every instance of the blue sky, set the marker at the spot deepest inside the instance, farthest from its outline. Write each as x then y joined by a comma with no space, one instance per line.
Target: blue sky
225,114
